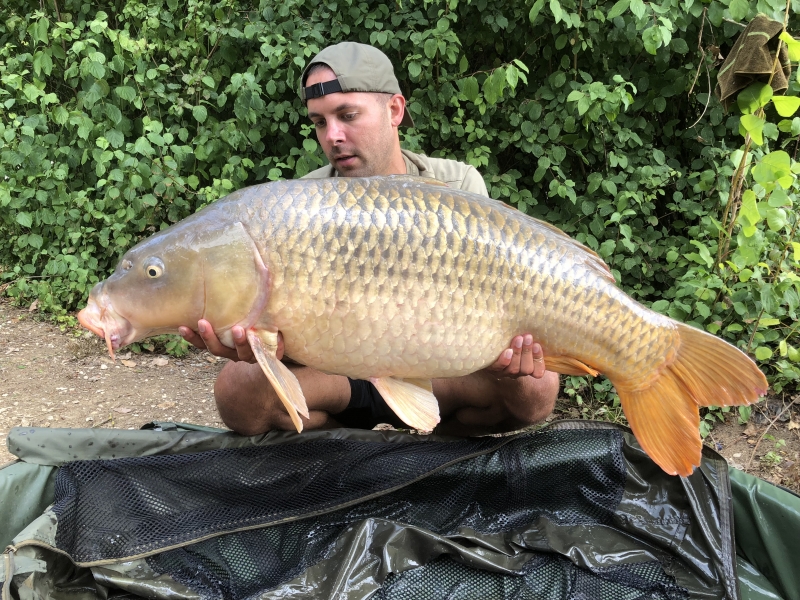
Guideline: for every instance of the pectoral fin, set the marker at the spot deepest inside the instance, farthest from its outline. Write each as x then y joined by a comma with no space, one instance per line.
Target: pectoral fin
285,384
411,399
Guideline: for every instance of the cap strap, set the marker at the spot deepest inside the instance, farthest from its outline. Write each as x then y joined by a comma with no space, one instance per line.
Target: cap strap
320,89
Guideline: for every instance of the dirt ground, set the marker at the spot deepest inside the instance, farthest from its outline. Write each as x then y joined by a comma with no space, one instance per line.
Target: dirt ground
50,378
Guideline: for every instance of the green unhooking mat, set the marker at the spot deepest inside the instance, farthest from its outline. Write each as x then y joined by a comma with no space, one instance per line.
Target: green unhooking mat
574,511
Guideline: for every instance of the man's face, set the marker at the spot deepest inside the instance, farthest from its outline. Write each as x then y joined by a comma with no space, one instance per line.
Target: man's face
357,131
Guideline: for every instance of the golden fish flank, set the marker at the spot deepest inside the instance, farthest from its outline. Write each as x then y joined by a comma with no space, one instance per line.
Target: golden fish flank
399,280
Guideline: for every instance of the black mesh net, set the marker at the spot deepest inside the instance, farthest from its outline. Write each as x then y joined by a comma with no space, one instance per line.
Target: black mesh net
298,499
131,506
545,576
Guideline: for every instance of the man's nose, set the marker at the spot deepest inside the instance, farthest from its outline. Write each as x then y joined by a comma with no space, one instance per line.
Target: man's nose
334,132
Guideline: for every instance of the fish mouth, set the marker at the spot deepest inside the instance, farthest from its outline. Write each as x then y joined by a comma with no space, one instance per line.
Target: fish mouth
100,318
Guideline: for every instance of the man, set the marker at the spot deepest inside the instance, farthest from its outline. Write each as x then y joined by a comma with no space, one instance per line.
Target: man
354,100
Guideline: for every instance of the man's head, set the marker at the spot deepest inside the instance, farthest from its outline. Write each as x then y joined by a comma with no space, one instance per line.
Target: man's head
355,103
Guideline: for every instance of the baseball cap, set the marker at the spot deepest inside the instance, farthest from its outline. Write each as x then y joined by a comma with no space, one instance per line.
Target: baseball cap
358,68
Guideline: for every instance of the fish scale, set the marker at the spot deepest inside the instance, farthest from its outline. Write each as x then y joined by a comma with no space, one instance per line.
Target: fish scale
403,263
399,280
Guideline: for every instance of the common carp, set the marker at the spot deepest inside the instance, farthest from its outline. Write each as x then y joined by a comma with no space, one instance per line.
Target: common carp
386,278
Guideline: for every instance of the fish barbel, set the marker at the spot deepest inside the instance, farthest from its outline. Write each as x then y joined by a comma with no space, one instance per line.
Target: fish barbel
399,280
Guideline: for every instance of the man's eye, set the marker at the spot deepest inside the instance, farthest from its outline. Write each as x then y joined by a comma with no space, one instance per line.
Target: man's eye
349,116
319,124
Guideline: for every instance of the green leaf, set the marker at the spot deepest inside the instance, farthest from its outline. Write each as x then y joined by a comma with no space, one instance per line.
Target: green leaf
748,213
535,10
512,76
754,126
209,81
35,241
660,306
527,129
60,115
471,89
739,9
126,93
555,8
796,248
792,45
637,8
773,168
113,113
776,219
779,198
199,113
705,255
442,25
620,7
680,46
24,219
575,95
414,69
142,146
651,37
753,97
430,47
95,69
115,138
763,353
309,145
786,105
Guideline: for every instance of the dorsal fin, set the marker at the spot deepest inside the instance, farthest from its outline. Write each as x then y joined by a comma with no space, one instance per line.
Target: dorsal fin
415,179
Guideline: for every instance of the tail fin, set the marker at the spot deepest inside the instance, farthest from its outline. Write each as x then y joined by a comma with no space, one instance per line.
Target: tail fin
664,415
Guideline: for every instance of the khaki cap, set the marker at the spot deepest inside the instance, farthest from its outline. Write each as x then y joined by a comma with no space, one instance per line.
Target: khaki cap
358,68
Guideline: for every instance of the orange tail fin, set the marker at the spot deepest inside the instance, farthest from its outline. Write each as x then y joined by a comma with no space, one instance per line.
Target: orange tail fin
664,415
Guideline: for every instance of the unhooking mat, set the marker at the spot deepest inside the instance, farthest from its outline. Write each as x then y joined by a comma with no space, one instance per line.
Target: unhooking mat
574,511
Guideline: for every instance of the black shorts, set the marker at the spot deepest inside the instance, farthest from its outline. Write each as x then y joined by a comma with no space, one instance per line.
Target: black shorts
367,408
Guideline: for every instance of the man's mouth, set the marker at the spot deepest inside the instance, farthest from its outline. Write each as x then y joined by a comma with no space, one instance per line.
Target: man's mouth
346,160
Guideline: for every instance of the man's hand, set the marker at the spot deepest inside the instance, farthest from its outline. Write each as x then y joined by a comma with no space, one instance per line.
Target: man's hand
522,358
206,339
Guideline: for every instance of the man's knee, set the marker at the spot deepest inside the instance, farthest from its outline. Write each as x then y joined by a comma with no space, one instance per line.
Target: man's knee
241,400
536,400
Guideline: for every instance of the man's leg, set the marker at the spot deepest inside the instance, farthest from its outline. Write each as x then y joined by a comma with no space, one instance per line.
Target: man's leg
483,403
474,404
248,405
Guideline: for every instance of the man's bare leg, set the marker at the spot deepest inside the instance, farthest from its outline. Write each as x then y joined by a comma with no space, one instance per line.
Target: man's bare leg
248,405
474,404
482,403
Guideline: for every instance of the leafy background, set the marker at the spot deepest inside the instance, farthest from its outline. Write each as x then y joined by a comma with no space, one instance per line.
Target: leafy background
120,118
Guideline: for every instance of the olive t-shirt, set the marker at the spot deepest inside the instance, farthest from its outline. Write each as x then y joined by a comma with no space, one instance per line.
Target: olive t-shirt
456,174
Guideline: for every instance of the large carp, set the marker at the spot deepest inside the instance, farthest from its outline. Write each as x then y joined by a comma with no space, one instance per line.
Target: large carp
399,280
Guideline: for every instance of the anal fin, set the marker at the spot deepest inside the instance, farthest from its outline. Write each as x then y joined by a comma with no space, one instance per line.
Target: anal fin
285,384
566,365
411,399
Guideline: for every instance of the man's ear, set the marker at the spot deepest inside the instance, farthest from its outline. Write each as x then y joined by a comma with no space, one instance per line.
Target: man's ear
397,108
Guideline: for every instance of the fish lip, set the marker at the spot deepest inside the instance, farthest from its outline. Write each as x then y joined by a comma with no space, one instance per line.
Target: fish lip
100,318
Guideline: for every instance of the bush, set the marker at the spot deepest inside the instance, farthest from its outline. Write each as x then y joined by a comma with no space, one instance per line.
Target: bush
120,119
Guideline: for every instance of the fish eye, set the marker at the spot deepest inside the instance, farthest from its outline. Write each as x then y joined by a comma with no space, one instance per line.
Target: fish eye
154,268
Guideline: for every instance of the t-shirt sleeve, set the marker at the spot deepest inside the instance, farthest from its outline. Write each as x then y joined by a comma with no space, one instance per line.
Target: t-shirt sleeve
473,182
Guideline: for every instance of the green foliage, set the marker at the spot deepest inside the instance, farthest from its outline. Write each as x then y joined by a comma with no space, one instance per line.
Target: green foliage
119,119
173,345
